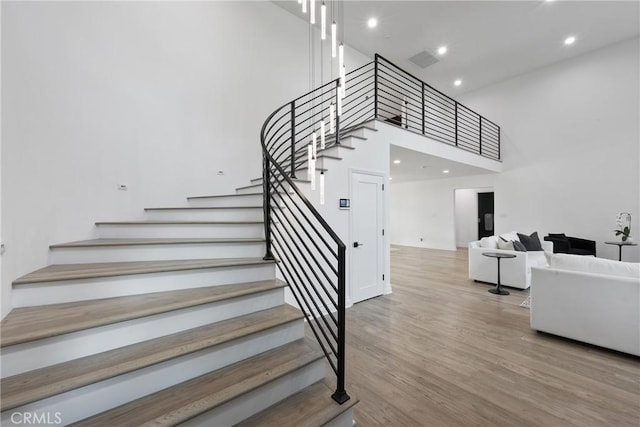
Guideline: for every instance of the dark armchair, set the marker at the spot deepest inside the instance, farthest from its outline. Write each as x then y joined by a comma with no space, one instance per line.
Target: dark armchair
571,245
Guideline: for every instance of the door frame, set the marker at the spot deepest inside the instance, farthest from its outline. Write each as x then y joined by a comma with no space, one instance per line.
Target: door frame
386,283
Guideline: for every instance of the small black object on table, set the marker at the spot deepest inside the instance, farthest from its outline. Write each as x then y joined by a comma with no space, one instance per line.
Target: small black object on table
620,245
498,255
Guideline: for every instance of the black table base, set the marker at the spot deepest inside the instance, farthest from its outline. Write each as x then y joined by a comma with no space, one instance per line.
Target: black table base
499,290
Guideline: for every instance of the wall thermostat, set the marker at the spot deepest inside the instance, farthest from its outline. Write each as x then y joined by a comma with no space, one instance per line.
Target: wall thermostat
345,203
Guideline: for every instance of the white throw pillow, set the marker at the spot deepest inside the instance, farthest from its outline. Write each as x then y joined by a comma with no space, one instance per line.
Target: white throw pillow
490,242
510,236
589,264
508,245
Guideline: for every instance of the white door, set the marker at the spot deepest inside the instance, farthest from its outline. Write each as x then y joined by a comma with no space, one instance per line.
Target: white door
367,240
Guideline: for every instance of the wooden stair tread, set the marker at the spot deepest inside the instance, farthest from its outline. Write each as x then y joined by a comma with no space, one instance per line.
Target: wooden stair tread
196,208
58,272
224,195
154,241
172,222
191,398
310,407
32,323
41,383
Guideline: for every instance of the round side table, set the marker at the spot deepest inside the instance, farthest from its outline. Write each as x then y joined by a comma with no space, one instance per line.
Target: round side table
620,245
498,255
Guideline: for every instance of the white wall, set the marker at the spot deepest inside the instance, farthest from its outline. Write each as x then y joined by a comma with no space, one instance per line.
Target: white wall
423,212
156,95
571,155
466,214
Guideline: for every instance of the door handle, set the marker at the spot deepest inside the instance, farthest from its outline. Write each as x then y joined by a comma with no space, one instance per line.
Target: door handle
356,244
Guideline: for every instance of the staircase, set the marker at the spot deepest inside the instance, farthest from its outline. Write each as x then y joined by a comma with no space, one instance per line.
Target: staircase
173,320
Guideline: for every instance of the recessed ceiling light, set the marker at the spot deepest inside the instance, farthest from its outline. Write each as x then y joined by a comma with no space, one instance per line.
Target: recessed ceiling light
445,171
457,82
396,161
372,22
390,178
569,40
442,50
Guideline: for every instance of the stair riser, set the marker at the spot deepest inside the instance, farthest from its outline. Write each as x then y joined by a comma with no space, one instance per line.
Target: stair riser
155,252
96,398
207,214
255,200
177,231
19,358
108,287
257,400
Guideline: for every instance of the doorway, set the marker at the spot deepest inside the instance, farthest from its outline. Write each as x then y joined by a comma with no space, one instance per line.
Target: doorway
367,236
485,215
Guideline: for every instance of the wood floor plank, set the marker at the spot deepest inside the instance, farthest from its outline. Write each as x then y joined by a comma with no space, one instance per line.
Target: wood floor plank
224,195
154,241
32,323
42,383
173,222
442,351
57,272
194,397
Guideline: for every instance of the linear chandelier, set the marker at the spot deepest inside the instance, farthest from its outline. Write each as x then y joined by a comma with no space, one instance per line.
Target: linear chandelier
334,109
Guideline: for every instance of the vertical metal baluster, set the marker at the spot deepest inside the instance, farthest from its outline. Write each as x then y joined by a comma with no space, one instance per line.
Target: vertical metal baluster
337,116
456,118
375,87
266,206
480,140
423,108
293,139
341,395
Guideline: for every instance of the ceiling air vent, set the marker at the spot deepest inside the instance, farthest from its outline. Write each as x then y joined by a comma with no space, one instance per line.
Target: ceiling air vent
423,59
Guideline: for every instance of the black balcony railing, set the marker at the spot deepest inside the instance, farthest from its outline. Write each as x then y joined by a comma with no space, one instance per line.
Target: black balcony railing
312,256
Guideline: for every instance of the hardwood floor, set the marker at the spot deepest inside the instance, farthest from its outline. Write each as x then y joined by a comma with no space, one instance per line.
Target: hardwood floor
442,351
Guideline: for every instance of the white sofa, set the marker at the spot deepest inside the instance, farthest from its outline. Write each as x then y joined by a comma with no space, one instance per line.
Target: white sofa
514,272
588,299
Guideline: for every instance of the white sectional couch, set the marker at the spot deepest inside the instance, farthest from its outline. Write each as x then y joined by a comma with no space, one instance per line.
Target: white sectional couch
588,299
514,272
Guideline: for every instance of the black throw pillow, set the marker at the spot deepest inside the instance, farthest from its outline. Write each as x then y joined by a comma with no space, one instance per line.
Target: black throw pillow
532,242
519,246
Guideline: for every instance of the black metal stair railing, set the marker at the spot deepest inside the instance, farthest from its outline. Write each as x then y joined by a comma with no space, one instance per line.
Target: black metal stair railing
312,256
406,101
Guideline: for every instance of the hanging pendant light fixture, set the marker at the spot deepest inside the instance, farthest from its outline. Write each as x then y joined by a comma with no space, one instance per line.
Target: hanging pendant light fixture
313,174
339,106
314,144
312,11
332,118
334,31
322,187
309,161
304,6
343,81
322,132
323,21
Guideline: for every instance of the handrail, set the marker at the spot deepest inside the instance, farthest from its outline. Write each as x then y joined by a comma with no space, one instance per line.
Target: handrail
312,256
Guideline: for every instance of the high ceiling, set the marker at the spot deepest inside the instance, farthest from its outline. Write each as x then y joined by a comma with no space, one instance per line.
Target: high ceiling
487,41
